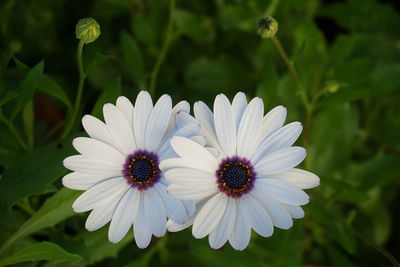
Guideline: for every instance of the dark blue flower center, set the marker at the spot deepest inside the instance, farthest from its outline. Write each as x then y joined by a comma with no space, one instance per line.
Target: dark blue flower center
235,176
141,169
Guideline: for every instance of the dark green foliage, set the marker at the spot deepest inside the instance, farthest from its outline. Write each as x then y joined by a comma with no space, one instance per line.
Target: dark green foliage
345,52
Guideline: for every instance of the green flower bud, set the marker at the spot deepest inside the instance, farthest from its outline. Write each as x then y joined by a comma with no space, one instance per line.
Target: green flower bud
87,30
267,27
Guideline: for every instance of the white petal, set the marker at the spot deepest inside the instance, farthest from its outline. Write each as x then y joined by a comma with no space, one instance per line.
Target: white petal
295,211
240,236
279,216
102,214
126,108
176,227
124,215
81,163
209,215
184,118
201,140
205,116
157,123
119,128
175,209
300,178
82,181
250,125
282,191
171,163
96,129
186,131
281,138
213,151
192,193
141,227
239,104
225,126
98,150
143,108
93,197
272,122
190,207
155,212
191,151
182,106
222,232
190,177
280,161
258,217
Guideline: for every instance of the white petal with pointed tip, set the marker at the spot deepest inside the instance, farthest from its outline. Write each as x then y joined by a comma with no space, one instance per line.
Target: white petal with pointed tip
190,177
96,129
280,139
249,127
191,151
175,209
154,211
126,108
239,104
141,229
92,197
279,216
82,181
222,232
157,123
282,191
279,161
272,122
225,125
240,236
209,215
300,178
124,215
102,214
143,108
258,217
295,211
98,150
119,128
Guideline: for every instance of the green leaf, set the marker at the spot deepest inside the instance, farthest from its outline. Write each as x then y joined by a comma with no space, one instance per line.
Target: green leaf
28,87
109,95
132,55
28,117
97,61
7,97
49,86
41,251
55,210
41,167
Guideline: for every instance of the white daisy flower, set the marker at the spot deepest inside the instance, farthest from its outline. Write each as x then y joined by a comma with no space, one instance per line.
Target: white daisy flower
247,179
119,167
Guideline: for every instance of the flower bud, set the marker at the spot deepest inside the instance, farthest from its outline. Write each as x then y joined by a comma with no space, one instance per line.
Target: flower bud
87,30
267,27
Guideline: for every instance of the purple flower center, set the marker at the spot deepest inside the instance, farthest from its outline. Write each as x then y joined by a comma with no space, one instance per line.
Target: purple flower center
141,169
235,176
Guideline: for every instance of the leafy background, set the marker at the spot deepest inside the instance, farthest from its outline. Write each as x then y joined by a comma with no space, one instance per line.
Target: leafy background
347,54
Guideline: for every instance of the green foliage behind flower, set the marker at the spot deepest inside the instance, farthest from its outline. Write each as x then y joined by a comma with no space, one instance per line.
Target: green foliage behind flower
346,54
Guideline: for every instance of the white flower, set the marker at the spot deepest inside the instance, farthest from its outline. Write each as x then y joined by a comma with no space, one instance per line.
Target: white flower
119,167
246,179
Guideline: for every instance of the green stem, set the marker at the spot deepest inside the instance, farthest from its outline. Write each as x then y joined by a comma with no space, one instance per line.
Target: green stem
81,83
14,131
378,248
292,71
164,49
272,7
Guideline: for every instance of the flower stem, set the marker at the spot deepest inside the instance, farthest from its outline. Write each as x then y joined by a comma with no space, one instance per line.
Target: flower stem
164,49
292,71
81,83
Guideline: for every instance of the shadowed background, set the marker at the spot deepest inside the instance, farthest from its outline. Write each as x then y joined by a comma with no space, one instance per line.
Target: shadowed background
346,53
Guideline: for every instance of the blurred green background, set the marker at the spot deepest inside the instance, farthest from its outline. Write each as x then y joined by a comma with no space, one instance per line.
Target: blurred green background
347,55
